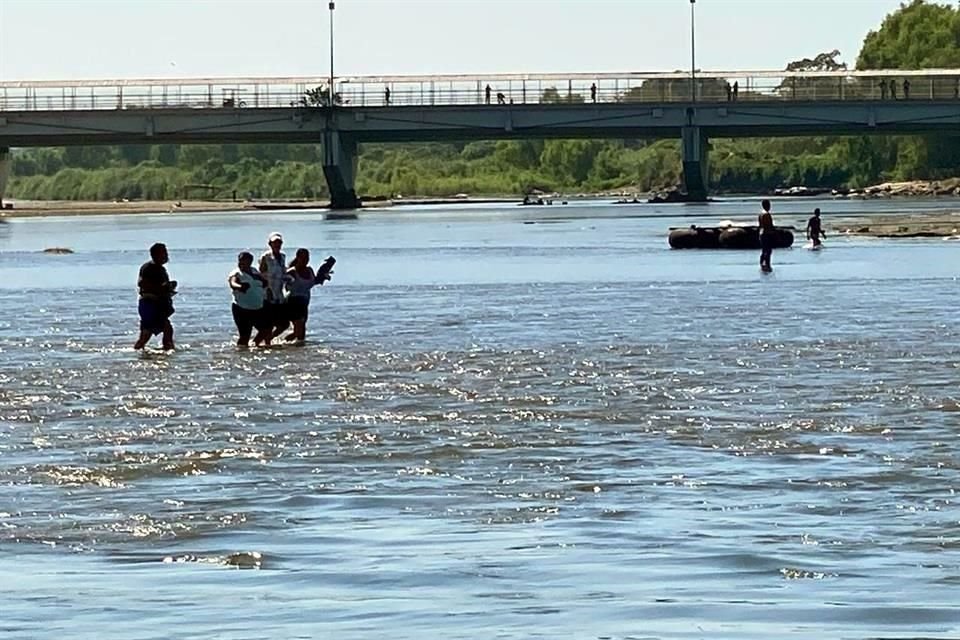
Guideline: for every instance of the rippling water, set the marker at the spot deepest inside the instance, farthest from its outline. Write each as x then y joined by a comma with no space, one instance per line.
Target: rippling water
497,429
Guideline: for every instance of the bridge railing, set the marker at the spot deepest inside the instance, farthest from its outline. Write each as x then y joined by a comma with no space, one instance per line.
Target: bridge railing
652,88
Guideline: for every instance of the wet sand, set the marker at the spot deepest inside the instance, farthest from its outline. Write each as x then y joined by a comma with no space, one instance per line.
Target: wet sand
34,208
915,225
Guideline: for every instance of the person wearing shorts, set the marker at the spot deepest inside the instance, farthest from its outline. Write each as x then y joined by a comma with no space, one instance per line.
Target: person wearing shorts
155,305
249,293
301,279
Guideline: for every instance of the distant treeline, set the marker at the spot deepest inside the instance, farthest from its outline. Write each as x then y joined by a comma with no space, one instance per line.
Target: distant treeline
504,167
918,35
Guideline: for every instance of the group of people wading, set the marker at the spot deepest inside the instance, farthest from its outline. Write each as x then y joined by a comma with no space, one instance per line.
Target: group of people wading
270,299
768,233
276,296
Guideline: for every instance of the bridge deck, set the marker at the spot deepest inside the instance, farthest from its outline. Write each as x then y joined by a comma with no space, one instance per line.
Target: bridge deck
449,90
473,122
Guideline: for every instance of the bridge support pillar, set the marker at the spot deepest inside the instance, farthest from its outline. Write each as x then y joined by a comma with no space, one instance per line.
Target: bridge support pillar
5,163
695,168
340,169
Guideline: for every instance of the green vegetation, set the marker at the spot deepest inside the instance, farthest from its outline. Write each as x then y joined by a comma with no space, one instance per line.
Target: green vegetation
918,35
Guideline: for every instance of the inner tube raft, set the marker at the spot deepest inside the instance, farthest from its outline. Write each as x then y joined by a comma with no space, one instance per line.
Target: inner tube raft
696,237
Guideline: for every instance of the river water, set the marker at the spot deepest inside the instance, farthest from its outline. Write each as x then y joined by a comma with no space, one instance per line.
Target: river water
508,422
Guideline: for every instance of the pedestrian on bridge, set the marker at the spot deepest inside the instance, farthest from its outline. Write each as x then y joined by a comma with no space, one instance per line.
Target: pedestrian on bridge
386,96
736,90
487,91
501,98
893,89
906,88
883,89
593,92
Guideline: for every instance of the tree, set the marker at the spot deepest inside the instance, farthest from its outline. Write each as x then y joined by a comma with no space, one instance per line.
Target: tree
821,62
166,154
919,35
676,90
794,88
552,96
319,97
570,161
88,157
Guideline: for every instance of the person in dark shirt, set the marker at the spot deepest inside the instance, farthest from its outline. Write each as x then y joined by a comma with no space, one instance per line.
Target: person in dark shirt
767,231
815,229
156,298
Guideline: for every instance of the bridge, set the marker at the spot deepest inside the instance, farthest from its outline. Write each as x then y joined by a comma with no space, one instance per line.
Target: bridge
454,107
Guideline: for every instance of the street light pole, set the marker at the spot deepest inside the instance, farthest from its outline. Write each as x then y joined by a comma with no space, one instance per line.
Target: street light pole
693,53
331,6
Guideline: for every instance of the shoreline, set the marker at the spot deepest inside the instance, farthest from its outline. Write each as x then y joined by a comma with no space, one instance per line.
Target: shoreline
932,224
43,208
51,208
920,189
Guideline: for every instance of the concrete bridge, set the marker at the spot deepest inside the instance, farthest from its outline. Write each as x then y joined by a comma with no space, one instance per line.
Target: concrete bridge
439,108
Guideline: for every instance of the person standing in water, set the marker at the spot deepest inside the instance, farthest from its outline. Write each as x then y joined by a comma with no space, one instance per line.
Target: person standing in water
249,294
273,267
815,229
767,231
300,280
156,298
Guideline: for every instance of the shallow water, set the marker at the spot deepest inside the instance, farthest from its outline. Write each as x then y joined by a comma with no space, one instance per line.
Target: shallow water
511,422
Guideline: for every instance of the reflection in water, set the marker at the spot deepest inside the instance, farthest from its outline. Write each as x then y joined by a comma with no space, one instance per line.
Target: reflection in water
535,432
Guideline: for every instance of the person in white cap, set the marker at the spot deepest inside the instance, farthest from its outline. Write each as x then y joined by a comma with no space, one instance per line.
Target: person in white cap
273,267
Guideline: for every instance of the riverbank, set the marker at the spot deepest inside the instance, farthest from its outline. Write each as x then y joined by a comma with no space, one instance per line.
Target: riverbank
915,225
35,208
39,208
902,189
887,225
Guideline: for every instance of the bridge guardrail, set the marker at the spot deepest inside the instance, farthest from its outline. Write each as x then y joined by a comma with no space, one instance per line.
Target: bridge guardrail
653,88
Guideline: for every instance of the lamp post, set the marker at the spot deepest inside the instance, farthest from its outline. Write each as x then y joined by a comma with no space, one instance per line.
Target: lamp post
331,6
693,52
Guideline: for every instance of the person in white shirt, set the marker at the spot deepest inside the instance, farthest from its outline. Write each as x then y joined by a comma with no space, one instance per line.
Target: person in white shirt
273,267
249,294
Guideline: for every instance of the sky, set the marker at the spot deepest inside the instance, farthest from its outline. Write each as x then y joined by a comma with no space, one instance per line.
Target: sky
91,39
